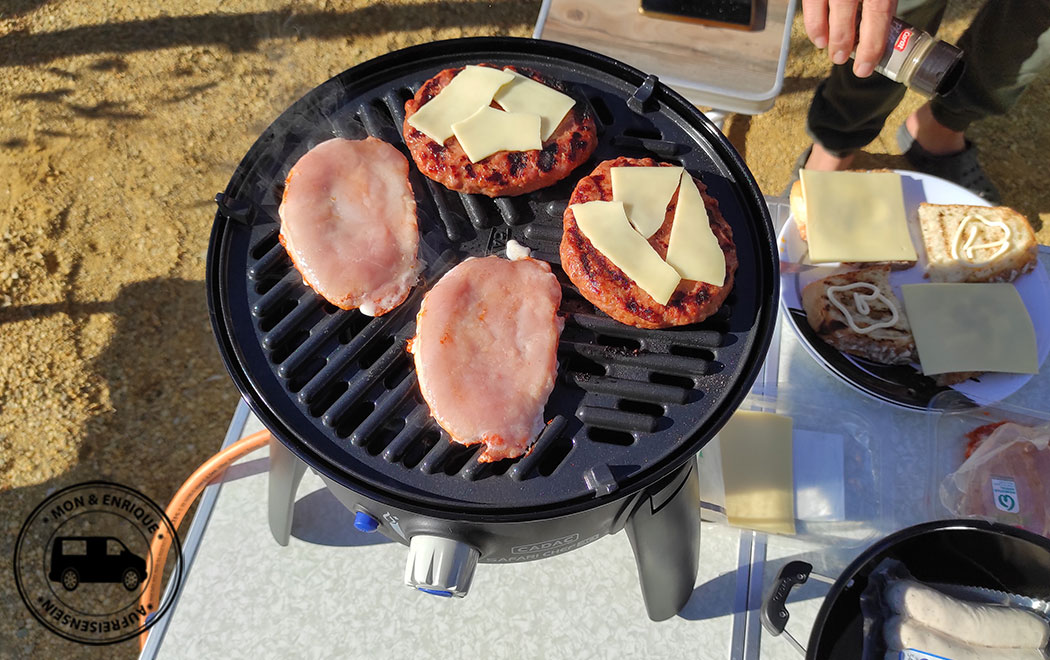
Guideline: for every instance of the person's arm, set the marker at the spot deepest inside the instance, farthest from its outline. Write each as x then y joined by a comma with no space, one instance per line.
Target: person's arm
832,24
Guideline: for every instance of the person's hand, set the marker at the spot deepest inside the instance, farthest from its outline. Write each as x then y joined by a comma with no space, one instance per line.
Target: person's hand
832,24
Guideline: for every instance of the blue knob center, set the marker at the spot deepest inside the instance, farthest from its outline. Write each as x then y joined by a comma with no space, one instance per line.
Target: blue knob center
365,522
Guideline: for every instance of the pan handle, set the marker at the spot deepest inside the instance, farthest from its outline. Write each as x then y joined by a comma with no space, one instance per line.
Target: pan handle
774,610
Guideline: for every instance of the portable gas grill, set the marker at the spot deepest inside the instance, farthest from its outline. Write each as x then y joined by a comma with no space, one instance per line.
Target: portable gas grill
631,407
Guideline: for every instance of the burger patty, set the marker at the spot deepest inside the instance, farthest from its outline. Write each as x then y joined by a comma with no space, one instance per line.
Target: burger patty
613,292
503,173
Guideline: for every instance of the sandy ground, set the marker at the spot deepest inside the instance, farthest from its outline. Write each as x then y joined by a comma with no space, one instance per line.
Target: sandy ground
117,126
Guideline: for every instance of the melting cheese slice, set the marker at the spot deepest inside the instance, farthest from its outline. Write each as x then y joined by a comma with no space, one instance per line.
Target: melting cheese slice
490,130
472,88
523,94
693,249
759,493
605,225
856,216
971,327
645,193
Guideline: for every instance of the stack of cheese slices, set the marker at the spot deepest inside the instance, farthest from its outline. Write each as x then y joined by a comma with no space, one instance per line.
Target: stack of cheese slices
966,320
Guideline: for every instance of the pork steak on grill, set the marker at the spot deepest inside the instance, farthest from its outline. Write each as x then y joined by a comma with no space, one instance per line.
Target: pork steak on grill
348,221
486,352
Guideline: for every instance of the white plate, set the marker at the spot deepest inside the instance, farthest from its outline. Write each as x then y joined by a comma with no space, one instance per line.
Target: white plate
906,386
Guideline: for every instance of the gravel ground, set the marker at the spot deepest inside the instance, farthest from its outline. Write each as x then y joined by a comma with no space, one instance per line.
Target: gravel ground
119,122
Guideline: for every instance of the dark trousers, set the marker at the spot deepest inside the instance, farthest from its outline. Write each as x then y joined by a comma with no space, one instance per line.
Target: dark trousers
1005,47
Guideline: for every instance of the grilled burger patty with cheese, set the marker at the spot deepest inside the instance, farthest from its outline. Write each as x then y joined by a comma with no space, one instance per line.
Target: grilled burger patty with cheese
612,291
505,173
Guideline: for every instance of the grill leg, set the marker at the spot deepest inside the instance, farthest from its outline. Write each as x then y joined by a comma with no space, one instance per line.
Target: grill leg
286,471
665,535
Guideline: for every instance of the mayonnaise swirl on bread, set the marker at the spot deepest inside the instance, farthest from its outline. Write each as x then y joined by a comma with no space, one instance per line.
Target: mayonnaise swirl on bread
969,248
861,303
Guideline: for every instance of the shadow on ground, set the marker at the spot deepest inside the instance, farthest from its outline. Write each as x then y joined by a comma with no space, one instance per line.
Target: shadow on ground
160,361
240,32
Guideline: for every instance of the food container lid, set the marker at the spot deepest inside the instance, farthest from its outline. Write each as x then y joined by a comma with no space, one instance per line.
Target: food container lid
939,71
836,467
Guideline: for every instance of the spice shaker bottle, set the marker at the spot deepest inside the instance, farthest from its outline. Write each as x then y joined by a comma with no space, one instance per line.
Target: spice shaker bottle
922,63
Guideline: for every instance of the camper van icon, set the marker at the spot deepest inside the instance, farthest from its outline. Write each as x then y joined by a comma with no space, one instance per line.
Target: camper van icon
76,559
77,546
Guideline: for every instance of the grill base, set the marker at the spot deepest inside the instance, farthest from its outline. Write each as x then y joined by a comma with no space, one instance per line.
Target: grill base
663,526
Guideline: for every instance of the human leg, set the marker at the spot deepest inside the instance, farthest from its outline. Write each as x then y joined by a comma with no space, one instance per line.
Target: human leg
1006,46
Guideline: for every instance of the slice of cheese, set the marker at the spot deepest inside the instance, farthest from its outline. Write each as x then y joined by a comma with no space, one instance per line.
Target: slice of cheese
692,248
856,216
523,94
759,493
472,88
605,225
971,327
645,193
490,130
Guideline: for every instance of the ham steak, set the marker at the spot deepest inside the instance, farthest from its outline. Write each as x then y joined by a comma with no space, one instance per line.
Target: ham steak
348,221
486,352
1018,456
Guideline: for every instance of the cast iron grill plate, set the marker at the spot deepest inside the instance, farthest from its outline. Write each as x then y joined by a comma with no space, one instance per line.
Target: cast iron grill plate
339,388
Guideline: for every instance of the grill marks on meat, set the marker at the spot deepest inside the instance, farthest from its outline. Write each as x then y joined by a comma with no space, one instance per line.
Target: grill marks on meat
348,221
485,352
610,290
505,173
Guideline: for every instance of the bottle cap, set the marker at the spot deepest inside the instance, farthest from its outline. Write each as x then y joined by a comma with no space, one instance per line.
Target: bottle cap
938,72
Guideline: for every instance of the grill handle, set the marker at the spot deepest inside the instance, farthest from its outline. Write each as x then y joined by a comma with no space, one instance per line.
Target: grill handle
774,610
665,535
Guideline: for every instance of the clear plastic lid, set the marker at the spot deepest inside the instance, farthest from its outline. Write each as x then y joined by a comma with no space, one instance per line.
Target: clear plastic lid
836,470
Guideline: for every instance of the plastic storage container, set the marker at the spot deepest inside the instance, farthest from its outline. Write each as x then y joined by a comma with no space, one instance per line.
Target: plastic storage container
1003,492
837,468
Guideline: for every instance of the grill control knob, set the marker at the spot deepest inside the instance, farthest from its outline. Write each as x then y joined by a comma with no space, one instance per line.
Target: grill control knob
440,566
365,522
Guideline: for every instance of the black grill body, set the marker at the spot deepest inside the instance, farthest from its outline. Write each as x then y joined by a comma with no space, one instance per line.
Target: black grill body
518,541
631,407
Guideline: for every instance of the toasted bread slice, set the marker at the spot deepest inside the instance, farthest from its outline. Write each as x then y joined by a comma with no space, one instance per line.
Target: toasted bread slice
887,345
798,208
993,254
798,211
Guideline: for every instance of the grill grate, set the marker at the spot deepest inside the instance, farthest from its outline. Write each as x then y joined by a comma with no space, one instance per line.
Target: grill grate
342,383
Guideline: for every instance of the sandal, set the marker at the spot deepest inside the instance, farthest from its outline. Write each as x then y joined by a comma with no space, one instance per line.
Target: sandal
961,168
